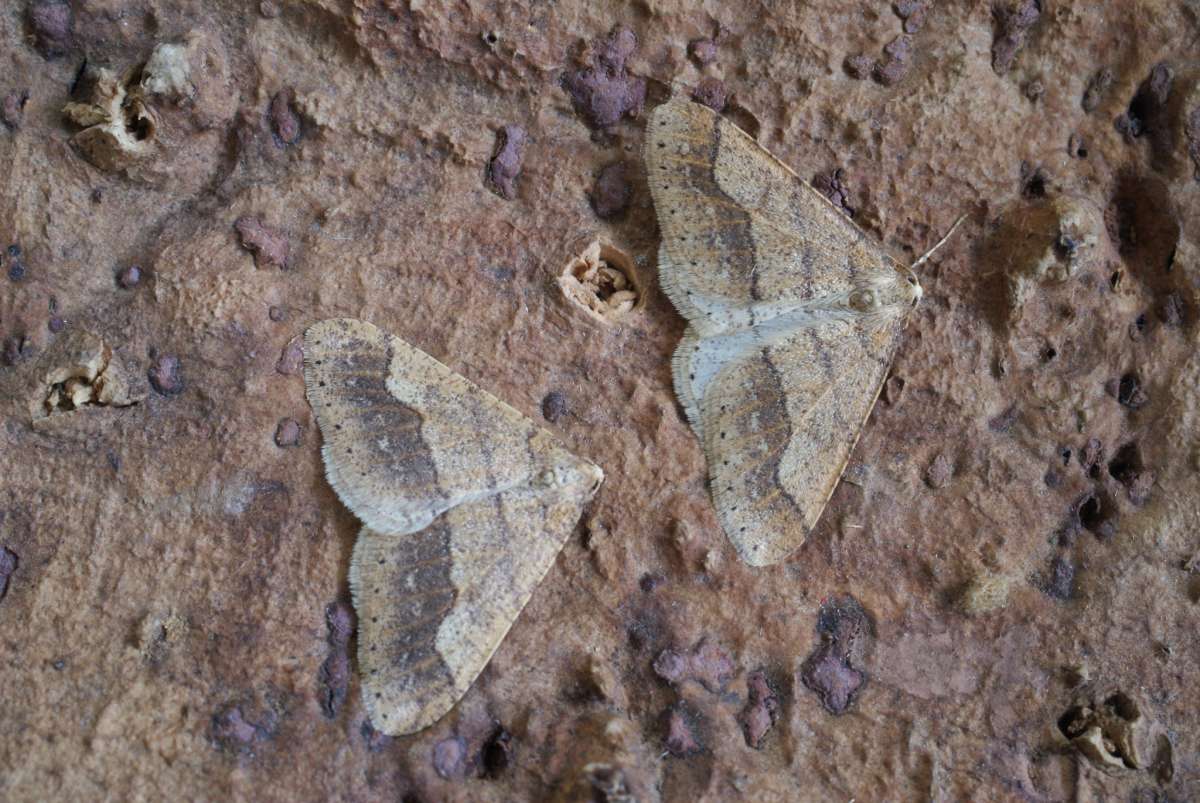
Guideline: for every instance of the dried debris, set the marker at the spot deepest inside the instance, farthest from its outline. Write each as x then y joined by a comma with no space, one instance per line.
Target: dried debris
939,471
374,740
1060,584
291,358
287,433
912,12
129,277
158,633
118,125
80,370
896,61
8,567
1107,733
269,245
450,757
230,730
602,282
711,92
832,185
680,736
702,51
166,375
859,66
554,406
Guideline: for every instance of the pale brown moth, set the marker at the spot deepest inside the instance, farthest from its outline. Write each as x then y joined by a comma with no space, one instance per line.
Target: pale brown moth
464,502
793,313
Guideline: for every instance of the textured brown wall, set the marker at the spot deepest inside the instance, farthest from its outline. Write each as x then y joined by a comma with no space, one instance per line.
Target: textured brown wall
168,567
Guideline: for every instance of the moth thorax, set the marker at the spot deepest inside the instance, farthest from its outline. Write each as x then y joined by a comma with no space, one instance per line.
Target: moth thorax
865,299
556,477
882,293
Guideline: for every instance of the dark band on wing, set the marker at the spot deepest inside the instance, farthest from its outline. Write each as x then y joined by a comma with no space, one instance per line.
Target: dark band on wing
358,373
729,236
411,588
772,417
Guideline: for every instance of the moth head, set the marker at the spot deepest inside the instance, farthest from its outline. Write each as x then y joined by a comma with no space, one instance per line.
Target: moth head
913,287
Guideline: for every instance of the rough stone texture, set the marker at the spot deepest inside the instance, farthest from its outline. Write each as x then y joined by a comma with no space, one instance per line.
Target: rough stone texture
180,509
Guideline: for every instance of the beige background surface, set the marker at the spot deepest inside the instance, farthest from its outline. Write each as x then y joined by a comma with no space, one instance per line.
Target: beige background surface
165,627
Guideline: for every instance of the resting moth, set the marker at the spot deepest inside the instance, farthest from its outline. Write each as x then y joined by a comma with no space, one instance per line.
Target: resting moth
793,315
464,502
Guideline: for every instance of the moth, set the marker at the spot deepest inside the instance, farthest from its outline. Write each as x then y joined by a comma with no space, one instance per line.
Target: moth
465,504
793,314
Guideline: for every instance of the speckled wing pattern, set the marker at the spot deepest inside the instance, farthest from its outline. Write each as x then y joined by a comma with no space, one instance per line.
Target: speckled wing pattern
465,504
793,315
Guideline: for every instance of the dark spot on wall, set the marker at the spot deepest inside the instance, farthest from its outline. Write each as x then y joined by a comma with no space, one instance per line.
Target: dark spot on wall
8,567
612,191
166,375
1012,21
497,754
51,23
680,731
1097,85
605,92
831,670
762,708
284,121
507,160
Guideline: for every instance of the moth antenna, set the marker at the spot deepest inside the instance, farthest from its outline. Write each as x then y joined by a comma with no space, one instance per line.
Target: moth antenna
939,244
